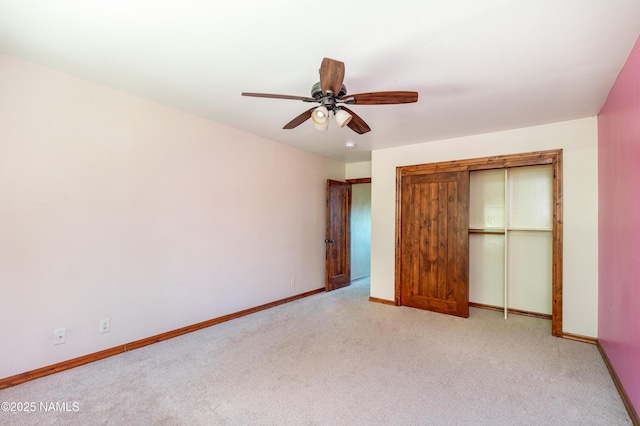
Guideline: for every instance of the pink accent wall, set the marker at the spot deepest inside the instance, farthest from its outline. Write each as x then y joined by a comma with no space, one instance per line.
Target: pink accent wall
619,226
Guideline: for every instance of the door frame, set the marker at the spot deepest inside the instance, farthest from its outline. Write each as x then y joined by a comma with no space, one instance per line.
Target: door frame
537,158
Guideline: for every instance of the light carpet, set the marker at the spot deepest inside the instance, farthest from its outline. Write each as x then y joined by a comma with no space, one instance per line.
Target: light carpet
337,359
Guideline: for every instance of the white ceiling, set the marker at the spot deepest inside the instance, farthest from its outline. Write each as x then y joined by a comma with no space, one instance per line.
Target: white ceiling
479,66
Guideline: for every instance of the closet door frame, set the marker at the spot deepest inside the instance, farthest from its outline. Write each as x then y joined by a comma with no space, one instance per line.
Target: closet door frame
537,158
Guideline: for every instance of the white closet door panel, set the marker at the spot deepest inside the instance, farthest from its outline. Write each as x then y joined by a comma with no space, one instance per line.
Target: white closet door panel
486,202
530,268
486,269
530,197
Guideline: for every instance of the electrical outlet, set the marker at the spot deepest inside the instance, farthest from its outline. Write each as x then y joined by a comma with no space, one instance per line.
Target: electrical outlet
293,282
105,325
59,336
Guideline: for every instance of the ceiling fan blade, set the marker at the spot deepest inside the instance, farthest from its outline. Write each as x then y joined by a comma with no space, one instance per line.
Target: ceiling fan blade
299,119
357,124
269,95
381,98
331,75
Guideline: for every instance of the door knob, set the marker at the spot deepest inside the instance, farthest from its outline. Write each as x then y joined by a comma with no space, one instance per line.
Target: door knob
329,241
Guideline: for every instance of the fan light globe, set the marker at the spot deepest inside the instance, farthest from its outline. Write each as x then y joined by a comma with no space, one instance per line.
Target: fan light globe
320,115
324,126
342,117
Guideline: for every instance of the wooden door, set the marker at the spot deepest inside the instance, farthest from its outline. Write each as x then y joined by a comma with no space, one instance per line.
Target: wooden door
434,243
337,242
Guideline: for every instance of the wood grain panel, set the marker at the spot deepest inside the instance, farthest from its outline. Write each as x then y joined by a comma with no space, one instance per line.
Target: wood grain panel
434,253
338,241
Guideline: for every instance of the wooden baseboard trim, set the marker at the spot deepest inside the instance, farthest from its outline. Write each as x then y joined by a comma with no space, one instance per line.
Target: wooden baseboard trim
511,311
633,414
569,336
383,301
86,359
580,338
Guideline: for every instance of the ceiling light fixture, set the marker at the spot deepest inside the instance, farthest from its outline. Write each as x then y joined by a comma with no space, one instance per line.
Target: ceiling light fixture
320,115
331,93
350,145
324,126
342,117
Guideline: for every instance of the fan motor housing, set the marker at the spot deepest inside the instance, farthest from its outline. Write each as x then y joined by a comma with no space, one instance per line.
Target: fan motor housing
316,91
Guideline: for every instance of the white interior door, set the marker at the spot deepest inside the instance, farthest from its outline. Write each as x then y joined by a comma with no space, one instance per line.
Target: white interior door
486,239
529,238
510,240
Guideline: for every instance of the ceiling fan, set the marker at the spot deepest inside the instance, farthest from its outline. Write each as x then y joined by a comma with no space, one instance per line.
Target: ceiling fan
332,96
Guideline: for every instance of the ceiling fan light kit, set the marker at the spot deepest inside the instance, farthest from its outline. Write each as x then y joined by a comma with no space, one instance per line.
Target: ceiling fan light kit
342,117
331,94
324,126
320,115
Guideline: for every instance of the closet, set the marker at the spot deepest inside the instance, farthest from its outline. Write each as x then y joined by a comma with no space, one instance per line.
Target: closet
481,232
510,239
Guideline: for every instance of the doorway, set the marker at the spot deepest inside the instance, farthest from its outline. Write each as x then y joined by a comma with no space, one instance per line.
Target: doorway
348,232
360,225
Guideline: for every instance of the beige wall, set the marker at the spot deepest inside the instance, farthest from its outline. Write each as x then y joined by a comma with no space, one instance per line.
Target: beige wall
577,138
115,207
358,170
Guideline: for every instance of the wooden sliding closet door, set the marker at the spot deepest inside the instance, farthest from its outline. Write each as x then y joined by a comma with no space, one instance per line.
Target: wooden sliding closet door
434,251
